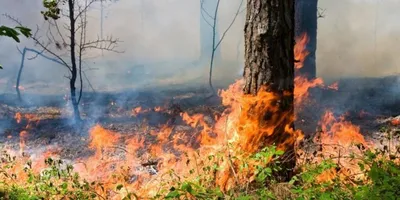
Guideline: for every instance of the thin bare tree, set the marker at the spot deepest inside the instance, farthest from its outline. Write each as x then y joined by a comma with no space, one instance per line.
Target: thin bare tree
69,44
211,19
24,52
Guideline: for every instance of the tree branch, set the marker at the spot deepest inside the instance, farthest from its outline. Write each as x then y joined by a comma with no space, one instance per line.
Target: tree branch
205,11
87,5
230,25
108,44
33,37
202,11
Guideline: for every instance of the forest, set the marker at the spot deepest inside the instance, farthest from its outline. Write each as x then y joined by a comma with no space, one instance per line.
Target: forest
199,99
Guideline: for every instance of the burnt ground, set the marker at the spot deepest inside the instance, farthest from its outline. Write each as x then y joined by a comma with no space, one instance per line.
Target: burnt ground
363,101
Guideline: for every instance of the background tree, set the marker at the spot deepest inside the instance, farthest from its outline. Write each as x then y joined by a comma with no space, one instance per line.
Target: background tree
307,22
208,28
210,40
72,41
24,52
269,62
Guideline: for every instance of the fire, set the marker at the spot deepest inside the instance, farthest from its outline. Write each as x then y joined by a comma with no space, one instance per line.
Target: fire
340,132
339,139
302,83
20,87
395,122
23,135
136,111
140,110
22,141
158,109
334,86
300,51
102,138
18,117
247,124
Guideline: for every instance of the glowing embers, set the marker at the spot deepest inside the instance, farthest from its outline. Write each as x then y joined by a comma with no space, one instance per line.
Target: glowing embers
31,121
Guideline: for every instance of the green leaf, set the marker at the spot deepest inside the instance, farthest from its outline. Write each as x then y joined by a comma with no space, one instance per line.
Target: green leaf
325,196
119,187
9,32
244,198
173,194
187,187
361,165
293,180
279,152
24,30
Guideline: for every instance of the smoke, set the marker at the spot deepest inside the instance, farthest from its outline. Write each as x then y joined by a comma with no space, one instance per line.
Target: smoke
161,44
160,40
358,38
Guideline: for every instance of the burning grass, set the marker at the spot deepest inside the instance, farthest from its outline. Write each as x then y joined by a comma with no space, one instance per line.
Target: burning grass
206,155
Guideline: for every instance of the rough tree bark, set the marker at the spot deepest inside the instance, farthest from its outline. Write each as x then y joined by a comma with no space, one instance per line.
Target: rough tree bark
307,22
269,61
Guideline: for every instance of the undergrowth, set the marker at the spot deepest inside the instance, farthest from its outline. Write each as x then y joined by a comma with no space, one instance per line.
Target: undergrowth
381,180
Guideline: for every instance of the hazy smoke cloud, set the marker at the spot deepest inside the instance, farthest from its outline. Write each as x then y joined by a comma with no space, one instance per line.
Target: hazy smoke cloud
161,43
159,37
358,38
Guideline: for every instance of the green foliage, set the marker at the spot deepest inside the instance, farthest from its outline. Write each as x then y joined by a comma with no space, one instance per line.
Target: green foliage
194,190
265,168
384,175
14,33
305,185
52,9
382,181
203,187
56,181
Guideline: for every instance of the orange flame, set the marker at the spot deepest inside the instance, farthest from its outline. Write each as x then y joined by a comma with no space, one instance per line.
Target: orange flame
340,132
339,139
300,52
31,119
18,117
302,83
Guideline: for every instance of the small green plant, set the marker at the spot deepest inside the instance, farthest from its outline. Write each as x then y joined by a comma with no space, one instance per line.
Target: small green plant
58,181
384,177
382,180
263,164
306,186
54,182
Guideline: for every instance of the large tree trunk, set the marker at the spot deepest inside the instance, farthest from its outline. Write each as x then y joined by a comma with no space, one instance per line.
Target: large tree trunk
74,70
307,22
269,62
